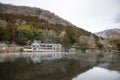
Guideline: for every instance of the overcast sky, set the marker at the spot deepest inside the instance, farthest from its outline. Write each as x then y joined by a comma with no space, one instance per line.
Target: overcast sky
91,15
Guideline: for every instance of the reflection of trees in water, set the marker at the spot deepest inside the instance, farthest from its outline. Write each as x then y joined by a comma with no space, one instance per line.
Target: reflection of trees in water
110,61
62,69
24,69
115,62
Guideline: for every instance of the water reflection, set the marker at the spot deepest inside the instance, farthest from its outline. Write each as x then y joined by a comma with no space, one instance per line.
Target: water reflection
59,66
98,73
37,57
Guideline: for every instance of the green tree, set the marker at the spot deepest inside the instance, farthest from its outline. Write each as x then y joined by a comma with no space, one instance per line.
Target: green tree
4,32
70,34
26,32
118,46
76,45
115,44
100,46
66,42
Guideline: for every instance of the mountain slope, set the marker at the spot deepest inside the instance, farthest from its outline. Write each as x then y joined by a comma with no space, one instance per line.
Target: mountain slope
52,25
34,16
108,33
42,14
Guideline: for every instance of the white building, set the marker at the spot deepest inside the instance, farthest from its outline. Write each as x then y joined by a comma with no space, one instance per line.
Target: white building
42,47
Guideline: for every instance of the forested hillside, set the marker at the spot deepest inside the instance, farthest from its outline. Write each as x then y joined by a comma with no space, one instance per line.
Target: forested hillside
21,25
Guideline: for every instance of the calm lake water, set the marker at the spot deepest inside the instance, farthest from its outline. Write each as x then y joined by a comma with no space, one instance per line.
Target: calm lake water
98,73
60,66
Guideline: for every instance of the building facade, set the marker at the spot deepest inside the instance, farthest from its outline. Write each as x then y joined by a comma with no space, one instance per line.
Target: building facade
42,47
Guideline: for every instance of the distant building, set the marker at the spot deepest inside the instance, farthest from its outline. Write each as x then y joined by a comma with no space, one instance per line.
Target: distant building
42,47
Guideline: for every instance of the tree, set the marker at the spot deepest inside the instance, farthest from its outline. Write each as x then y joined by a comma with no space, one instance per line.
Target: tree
69,32
66,42
26,32
116,44
49,36
76,45
100,46
91,41
52,36
4,32
83,41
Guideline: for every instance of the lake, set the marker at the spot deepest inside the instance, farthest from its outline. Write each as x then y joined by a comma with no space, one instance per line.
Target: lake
59,66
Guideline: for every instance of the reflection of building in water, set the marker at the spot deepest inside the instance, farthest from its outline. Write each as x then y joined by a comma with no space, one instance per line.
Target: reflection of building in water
38,46
38,57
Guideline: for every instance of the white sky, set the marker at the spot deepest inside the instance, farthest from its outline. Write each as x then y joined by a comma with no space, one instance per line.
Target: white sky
91,15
